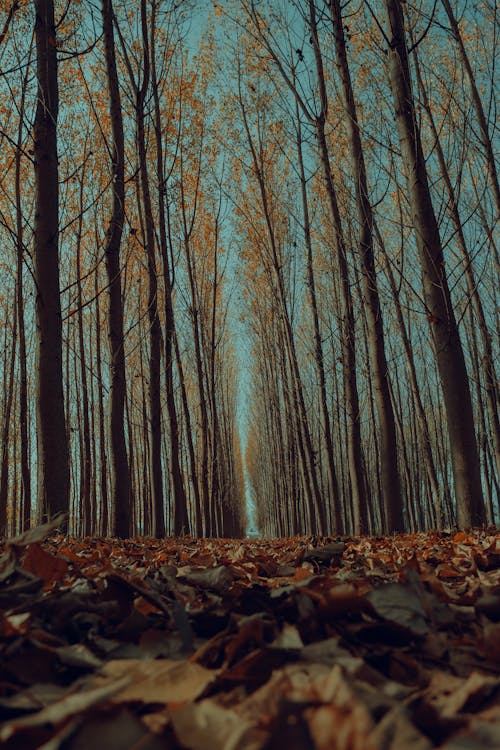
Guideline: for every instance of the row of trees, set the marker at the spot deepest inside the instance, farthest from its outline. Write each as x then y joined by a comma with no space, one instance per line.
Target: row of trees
121,266
374,211
324,170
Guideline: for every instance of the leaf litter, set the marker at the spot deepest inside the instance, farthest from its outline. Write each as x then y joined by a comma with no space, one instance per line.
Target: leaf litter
329,644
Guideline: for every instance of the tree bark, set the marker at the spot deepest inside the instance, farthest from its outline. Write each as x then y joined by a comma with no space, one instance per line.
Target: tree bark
119,467
52,445
86,465
23,375
156,473
181,519
8,394
179,492
103,458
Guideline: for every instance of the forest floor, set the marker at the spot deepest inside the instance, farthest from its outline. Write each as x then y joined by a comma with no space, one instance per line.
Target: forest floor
359,644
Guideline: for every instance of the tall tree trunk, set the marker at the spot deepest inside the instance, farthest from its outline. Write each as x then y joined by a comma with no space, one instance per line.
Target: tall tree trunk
194,314
179,492
355,455
119,467
318,345
156,473
481,414
207,500
447,345
391,490
417,398
86,466
23,375
8,393
94,505
216,448
103,458
371,452
52,445
68,382
181,520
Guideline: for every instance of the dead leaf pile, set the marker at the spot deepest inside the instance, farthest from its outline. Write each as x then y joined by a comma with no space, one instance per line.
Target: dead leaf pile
354,644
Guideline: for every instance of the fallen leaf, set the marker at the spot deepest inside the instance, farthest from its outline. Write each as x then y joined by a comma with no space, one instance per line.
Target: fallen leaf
158,681
78,655
472,694
70,704
396,731
37,533
49,568
399,605
302,573
207,726
328,554
217,579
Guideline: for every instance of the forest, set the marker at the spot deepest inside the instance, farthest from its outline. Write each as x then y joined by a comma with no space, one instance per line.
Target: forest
249,395
250,266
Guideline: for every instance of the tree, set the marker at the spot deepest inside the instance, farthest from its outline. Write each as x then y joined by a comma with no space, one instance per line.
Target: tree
140,90
181,521
119,467
52,445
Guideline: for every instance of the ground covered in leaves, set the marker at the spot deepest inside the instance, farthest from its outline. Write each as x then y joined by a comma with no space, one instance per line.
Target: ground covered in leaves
354,644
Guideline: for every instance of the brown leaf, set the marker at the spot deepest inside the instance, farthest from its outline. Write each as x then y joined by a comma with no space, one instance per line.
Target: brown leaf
216,579
37,533
302,573
117,729
401,606
328,554
159,681
342,728
69,705
396,731
472,695
44,565
207,726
